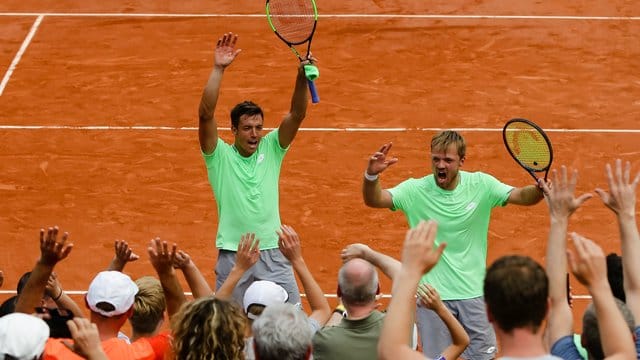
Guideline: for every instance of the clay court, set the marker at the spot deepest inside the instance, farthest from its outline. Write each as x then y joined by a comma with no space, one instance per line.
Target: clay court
98,117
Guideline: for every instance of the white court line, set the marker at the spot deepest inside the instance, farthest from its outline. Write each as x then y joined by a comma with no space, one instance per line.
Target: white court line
385,296
365,16
309,129
20,52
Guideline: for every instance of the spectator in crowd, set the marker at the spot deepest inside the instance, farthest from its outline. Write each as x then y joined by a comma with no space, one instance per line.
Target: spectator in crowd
282,332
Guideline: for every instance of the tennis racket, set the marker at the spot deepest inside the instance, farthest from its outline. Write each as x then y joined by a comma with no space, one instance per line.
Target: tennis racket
294,22
529,146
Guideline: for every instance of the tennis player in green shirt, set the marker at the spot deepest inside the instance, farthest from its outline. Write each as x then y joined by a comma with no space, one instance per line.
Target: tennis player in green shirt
461,203
244,175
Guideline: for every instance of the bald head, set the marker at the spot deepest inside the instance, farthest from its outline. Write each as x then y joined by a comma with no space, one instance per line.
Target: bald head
358,282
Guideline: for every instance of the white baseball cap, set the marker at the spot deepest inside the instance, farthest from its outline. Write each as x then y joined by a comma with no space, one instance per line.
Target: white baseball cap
265,293
112,287
22,336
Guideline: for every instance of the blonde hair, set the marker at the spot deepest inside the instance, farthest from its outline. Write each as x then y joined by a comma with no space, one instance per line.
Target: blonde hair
149,305
208,328
444,139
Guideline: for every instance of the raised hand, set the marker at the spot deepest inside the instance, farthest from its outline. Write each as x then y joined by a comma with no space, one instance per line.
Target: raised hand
560,195
160,256
588,263
289,243
53,288
52,249
353,251
621,198
226,50
248,251
418,252
86,339
181,260
380,161
123,252
429,296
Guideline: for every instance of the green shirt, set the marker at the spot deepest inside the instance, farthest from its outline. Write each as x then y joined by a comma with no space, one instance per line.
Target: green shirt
246,191
350,339
463,223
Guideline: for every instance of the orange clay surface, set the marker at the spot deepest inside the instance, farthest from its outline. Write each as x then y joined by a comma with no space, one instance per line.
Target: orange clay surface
382,72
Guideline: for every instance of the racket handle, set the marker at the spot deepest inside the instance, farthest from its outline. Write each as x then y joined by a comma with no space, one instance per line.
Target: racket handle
314,93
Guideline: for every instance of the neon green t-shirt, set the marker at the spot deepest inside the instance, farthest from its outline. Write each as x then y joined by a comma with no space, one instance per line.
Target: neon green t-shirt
463,223
246,191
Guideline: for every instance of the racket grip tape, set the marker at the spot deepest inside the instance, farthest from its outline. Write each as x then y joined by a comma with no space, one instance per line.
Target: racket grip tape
314,93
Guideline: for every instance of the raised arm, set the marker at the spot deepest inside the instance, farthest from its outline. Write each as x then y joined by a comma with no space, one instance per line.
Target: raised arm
62,300
526,195
418,257
161,258
588,265
562,203
372,192
298,110
388,265
52,250
459,337
289,244
123,255
247,255
197,283
225,53
621,199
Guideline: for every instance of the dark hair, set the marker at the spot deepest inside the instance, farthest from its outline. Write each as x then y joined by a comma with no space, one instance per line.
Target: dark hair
615,276
516,289
244,108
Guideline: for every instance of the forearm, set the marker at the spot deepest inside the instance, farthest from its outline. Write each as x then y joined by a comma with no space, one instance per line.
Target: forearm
173,292
320,309
530,195
630,240
225,292
299,99
396,329
388,265
116,264
618,339
66,302
197,283
372,193
560,315
31,295
459,337
207,126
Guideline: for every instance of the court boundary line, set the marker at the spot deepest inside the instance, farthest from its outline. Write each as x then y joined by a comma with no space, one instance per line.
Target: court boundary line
306,129
364,16
187,293
21,51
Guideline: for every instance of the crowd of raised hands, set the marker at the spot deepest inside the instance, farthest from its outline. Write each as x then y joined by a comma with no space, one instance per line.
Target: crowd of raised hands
565,252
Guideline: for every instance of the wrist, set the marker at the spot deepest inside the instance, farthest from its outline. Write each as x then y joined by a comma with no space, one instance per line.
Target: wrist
370,177
56,298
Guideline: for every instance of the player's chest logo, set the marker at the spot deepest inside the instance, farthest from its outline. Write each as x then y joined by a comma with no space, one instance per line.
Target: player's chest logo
472,205
260,158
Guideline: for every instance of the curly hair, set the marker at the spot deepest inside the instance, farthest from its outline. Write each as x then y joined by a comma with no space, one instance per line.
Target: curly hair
209,328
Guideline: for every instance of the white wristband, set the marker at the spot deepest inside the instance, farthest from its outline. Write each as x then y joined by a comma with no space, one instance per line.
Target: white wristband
370,177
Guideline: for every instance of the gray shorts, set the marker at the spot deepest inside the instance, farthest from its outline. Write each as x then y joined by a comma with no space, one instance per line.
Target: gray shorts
272,266
435,337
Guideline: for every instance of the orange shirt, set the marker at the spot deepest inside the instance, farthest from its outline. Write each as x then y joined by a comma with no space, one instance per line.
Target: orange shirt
116,349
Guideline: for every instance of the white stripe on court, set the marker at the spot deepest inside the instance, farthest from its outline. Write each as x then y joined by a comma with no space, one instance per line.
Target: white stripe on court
309,129
361,16
384,296
20,52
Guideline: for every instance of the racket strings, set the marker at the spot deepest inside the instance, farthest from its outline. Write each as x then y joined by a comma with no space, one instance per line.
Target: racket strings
294,20
529,147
